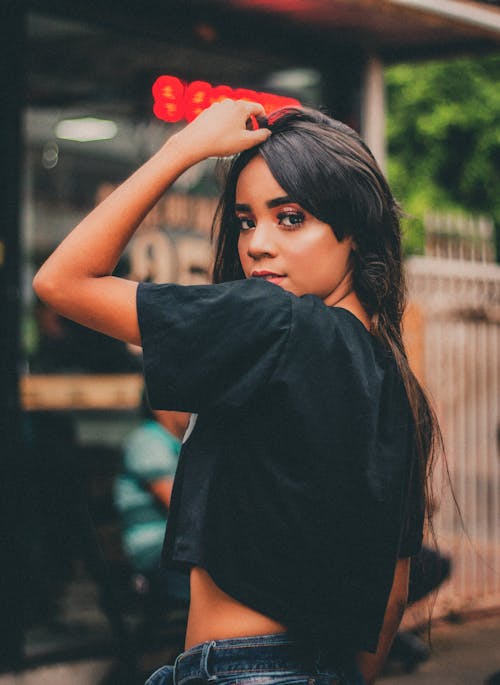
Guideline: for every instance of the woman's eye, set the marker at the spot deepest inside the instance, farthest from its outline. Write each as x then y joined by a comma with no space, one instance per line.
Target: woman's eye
291,219
245,224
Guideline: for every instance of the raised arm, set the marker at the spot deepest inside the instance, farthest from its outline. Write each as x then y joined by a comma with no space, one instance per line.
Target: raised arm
76,279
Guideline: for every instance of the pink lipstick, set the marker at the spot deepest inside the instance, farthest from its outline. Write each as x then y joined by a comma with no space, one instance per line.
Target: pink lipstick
270,276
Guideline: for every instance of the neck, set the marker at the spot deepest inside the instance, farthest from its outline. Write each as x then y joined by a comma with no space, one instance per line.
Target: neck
342,291
345,296
340,298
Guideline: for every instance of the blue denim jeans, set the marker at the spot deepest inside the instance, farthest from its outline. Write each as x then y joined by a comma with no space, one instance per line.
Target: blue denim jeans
258,660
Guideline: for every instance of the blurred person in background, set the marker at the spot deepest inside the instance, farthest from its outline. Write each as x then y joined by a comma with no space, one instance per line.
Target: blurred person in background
142,493
300,493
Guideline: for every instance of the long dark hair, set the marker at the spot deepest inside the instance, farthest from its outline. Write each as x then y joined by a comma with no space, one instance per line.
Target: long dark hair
327,169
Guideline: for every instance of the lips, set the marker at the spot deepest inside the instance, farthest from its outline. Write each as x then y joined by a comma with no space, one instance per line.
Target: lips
268,276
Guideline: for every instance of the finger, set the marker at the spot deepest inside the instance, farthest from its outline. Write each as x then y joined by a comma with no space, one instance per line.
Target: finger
253,108
258,137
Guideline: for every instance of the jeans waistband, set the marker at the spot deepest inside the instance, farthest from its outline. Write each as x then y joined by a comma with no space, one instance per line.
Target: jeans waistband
275,652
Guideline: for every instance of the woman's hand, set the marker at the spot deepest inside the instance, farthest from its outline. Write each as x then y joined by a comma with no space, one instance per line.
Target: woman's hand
222,130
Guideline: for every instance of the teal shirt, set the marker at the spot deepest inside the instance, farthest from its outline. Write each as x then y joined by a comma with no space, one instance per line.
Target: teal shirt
150,453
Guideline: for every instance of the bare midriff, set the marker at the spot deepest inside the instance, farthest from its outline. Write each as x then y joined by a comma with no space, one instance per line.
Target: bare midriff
214,615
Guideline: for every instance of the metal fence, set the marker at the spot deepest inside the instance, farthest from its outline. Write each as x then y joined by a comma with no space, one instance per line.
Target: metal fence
459,303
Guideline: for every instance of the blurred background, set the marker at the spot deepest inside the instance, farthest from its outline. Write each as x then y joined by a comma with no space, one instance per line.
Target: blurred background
420,81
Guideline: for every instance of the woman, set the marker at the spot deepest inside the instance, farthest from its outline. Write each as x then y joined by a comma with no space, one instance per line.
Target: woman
298,499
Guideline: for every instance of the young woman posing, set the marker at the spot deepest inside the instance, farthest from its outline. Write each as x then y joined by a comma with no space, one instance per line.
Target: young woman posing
299,495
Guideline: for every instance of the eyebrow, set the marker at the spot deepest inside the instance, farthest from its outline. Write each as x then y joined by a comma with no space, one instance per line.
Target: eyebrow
275,202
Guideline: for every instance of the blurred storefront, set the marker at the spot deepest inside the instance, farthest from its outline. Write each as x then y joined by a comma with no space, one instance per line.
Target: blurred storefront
77,118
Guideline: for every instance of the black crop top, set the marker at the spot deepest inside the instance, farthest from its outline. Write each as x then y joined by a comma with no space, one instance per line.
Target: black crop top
297,489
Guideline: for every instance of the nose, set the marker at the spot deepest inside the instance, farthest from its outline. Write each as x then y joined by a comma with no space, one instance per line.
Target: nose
260,241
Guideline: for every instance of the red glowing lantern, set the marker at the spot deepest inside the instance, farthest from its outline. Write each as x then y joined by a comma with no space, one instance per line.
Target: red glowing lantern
220,93
269,102
246,94
196,99
174,100
168,92
273,102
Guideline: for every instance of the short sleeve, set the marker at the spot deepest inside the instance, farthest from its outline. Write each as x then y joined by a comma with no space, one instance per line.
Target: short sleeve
413,521
210,345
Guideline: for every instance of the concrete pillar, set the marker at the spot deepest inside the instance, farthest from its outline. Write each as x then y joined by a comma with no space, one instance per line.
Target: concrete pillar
373,109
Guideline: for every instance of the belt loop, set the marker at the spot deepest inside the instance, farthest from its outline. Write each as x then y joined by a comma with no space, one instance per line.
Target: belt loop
205,653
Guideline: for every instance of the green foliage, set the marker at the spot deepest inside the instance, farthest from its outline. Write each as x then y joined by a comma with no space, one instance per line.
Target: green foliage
444,139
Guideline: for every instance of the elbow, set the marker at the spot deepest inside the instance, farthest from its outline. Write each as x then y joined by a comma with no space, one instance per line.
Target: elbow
40,284
45,287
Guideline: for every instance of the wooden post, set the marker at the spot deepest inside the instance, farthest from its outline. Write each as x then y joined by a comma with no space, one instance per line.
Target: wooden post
373,110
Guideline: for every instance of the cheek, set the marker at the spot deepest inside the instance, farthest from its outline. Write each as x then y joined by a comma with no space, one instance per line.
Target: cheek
331,258
313,246
339,259
242,252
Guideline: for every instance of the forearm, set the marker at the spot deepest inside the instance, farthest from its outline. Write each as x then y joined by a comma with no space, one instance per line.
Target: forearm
94,247
370,665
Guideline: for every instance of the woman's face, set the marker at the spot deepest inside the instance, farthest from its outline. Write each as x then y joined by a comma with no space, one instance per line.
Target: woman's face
284,244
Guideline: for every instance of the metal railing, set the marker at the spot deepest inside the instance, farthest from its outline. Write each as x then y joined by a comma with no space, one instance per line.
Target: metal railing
459,236
459,302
